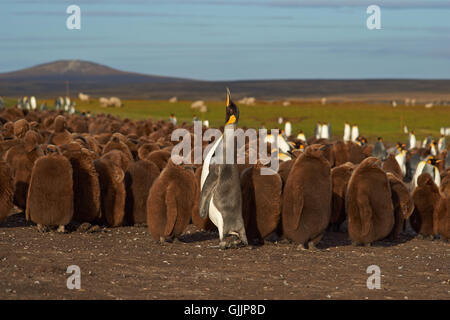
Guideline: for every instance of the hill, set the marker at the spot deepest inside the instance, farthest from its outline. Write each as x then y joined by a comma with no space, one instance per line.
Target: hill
49,80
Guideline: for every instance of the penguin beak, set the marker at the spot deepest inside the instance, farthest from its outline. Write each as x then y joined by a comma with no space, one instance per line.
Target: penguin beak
228,97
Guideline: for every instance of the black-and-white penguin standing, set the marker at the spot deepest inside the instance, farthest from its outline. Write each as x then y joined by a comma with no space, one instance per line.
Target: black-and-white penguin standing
221,197
379,150
429,165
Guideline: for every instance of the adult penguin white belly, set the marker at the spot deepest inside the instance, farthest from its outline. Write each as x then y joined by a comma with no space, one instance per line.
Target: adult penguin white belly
288,129
347,132
355,133
428,166
220,196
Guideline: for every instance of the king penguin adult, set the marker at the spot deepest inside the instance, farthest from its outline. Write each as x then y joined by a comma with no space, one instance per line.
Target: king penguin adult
220,197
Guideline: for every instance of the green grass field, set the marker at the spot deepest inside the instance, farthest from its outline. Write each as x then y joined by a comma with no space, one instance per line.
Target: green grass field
373,119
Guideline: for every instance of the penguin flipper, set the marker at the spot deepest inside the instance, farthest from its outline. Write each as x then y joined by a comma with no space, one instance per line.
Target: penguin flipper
207,192
171,211
296,207
365,213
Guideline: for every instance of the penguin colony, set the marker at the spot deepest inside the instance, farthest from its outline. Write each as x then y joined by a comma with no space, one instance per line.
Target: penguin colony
63,169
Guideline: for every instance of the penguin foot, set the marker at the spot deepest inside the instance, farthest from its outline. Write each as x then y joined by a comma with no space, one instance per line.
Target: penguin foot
42,229
420,237
302,247
355,244
222,245
312,246
367,245
61,229
92,229
84,227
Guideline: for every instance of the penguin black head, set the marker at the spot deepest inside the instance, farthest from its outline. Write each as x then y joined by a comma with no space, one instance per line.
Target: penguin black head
380,139
433,161
232,111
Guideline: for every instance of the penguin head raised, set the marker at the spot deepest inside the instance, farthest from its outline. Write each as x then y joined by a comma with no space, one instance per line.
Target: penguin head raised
232,111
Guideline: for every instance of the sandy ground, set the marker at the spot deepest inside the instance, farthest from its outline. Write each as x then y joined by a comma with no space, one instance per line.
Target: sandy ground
124,263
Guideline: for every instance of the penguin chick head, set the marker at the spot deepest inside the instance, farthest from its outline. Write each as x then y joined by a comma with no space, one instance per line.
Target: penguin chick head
232,111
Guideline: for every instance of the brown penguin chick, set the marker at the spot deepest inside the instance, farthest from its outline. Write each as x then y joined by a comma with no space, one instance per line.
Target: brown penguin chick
307,198
261,202
369,207
6,190
94,146
341,153
356,154
21,159
139,178
20,128
60,135
425,196
170,202
402,201
112,192
86,186
441,218
202,224
116,144
118,158
445,185
50,195
8,130
284,169
160,158
391,165
339,179
145,149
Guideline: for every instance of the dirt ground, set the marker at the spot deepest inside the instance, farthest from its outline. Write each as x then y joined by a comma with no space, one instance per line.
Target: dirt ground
124,263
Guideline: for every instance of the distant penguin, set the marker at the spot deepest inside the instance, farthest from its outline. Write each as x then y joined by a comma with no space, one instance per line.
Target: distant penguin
301,136
170,202
220,188
429,165
318,130
60,135
441,219
355,133
325,132
347,132
282,144
369,206
442,144
6,190
306,207
339,177
288,128
402,202
411,141
391,165
426,197
33,103
401,160
261,202
427,141
51,180
379,150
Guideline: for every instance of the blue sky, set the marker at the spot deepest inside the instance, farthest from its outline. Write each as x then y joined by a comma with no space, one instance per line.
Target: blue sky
235,39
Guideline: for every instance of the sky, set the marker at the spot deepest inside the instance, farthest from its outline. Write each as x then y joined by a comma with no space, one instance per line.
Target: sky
234,39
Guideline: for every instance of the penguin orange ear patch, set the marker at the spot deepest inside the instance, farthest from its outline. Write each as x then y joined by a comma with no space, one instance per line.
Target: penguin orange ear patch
232,119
